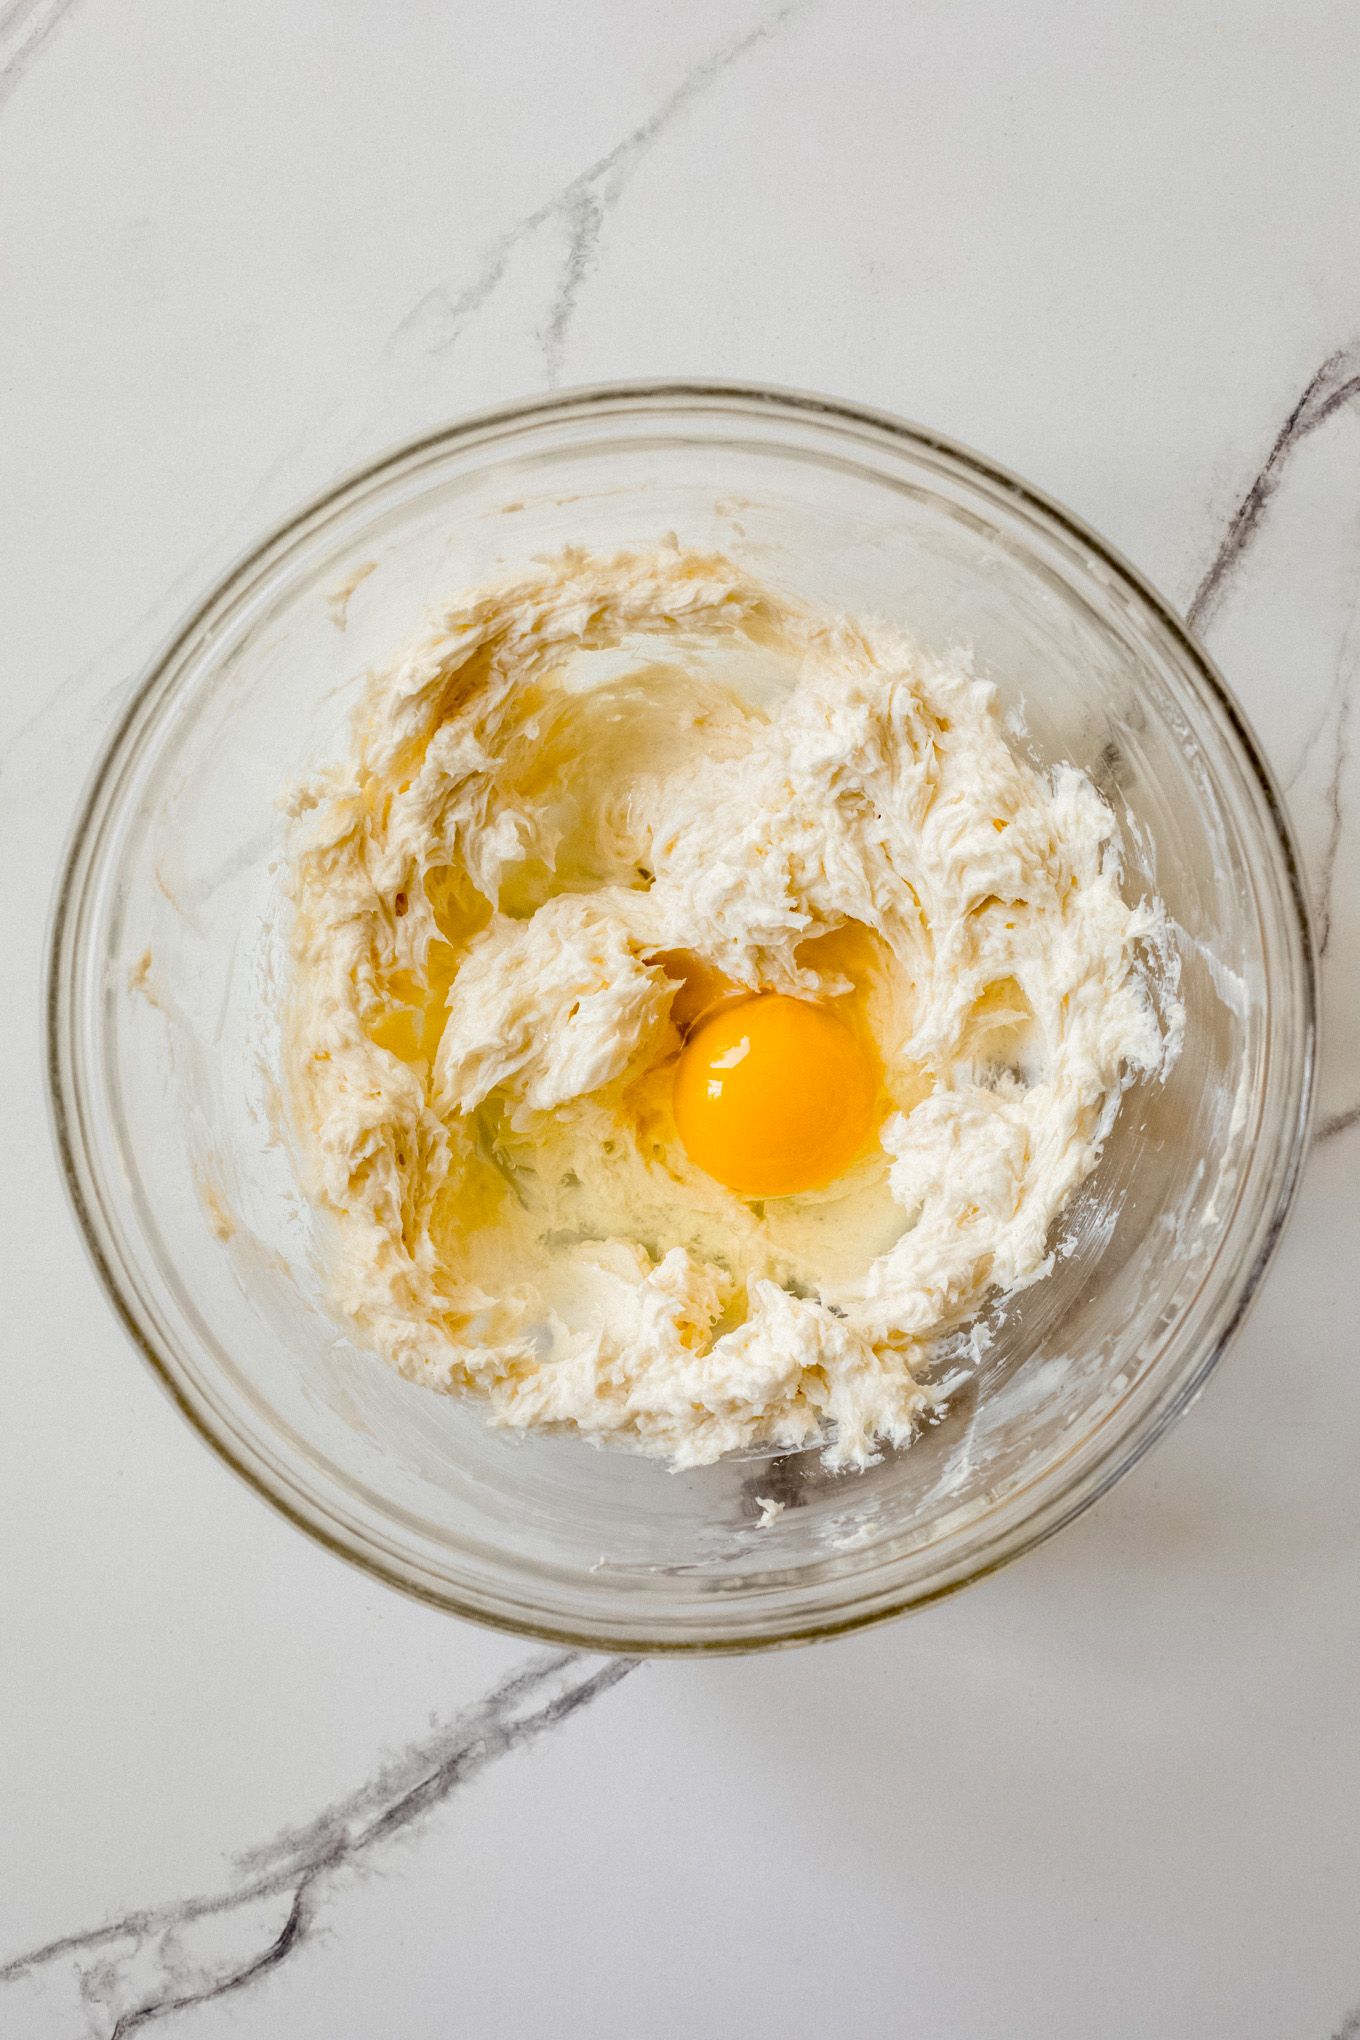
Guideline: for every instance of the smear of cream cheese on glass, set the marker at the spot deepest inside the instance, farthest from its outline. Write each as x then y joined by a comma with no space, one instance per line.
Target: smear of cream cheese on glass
570,779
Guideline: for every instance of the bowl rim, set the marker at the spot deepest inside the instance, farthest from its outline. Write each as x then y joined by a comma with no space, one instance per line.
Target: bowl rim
65,1074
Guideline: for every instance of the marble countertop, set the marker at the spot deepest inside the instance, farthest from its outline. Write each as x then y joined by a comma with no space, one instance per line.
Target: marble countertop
1115,1790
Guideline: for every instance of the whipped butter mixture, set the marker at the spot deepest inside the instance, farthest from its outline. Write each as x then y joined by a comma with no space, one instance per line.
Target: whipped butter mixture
698,1009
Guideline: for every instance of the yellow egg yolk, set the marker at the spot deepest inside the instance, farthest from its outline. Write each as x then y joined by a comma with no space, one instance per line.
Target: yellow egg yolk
773,1096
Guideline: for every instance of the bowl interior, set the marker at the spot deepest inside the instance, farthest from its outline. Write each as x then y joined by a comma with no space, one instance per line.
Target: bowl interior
172,953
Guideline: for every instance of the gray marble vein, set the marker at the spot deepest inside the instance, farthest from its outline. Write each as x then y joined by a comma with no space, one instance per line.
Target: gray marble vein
580,209
25,26
1336,384
1338,1122
1335,818
1336,711
149,1965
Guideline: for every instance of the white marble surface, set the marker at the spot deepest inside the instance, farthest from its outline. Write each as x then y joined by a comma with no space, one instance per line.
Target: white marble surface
1114,1791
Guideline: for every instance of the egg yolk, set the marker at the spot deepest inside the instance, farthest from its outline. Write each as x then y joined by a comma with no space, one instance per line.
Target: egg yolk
773,1096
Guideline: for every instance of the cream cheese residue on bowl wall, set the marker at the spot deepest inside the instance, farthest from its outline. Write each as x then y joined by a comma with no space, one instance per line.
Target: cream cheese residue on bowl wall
592,805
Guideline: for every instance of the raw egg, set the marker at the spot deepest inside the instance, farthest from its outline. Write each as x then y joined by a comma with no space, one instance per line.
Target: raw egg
774,1096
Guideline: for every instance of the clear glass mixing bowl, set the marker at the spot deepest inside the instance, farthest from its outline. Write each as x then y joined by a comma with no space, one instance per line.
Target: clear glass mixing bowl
170,946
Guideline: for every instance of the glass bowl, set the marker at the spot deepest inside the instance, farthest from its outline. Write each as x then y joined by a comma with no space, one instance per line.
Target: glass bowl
170,949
